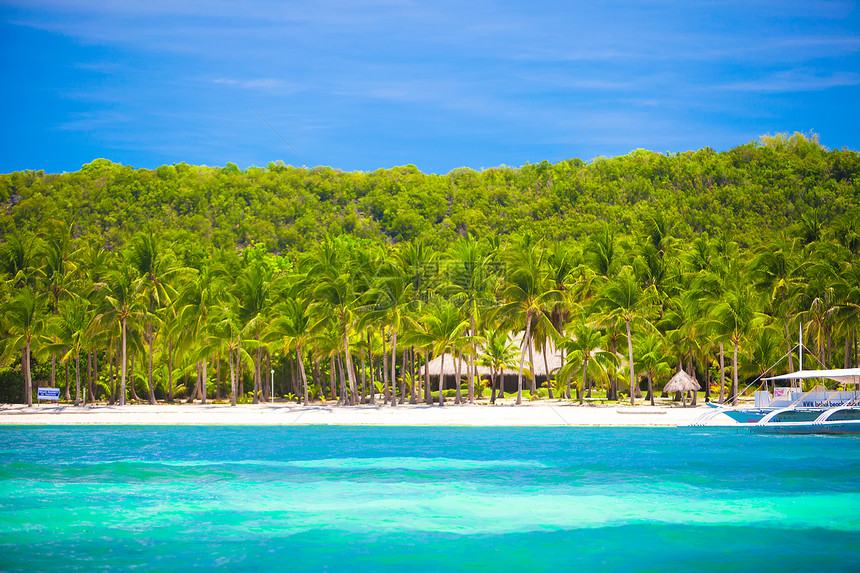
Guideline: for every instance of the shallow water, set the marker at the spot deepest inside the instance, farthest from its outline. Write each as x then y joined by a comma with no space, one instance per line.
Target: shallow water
426,499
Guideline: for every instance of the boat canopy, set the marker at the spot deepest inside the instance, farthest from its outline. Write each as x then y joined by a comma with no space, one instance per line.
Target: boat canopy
843,375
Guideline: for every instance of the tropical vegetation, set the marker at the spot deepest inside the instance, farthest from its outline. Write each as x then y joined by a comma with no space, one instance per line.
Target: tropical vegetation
200,283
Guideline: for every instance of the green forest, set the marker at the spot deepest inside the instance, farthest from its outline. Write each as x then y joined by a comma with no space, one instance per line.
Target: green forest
213,283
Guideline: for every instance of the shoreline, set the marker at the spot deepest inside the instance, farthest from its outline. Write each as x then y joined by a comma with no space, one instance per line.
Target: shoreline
283,414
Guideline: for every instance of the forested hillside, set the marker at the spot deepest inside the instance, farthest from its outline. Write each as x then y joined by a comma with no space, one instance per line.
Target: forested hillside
743,192
194,282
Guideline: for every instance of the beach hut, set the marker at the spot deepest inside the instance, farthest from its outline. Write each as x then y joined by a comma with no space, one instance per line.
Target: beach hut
552,362
682,382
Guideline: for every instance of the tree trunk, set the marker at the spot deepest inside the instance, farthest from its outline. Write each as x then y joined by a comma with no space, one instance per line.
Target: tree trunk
523,358
232,377
194,391
442,380
493,386
584,379
735,375
650,389
370,359
77,378
394,367
271,380
124,359
295,377
341,399
110,377
630,357
203,380
403,371
428,399
95,375
384,370
331,376
546,369
363,397
68,396
258,391
416,375
240,377
533,385
53,381
131,379
458,396
611,391
149,379
218,379
316,374
722,375
301,367
472,358
89,386
707,377
25,369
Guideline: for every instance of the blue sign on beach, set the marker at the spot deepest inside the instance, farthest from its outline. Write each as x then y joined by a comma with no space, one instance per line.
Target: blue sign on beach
48,394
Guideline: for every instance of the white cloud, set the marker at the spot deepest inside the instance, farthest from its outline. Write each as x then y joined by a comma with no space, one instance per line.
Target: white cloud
792,81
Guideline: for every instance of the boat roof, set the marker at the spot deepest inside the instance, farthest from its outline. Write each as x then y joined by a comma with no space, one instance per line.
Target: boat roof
844,375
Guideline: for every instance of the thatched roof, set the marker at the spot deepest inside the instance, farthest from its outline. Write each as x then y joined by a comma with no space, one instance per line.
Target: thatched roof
682,382
553,360
451,366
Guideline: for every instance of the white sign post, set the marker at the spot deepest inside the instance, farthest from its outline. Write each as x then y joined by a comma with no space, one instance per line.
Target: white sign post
47,394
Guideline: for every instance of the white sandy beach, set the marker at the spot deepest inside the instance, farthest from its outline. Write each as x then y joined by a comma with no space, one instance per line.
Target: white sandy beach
532,414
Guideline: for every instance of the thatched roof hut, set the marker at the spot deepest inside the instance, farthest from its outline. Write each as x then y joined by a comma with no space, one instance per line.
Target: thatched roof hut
553,362
682,382
435,366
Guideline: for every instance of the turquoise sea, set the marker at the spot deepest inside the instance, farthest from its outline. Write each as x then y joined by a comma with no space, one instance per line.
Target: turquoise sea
182,498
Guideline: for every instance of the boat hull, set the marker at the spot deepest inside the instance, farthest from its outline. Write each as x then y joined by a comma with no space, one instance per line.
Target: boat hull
843,427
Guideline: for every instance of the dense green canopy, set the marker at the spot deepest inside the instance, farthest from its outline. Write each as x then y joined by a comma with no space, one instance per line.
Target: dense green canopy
193,281
771,184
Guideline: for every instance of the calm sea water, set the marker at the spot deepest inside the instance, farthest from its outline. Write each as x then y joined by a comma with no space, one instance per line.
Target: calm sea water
426,499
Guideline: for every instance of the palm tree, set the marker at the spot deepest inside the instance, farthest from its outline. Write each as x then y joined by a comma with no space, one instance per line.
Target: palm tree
498,353
602,252
253,292
125,307
72,326
58,270
778,269
25,323
652,360
389,302
154,269
584,347
469,281
226,325
293,325
444,328
624,299
527,293
734,318
196,312
19,259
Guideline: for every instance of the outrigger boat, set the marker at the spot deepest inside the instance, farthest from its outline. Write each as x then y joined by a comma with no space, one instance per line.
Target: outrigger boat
803,404
792,411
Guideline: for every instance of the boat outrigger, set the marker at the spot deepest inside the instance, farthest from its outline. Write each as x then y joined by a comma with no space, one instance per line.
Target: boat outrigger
791,410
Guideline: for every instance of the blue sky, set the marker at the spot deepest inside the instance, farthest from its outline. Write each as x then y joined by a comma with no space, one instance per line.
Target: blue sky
362,85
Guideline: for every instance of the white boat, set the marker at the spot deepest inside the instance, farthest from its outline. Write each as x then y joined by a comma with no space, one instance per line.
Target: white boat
817,400
840,420
818,411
